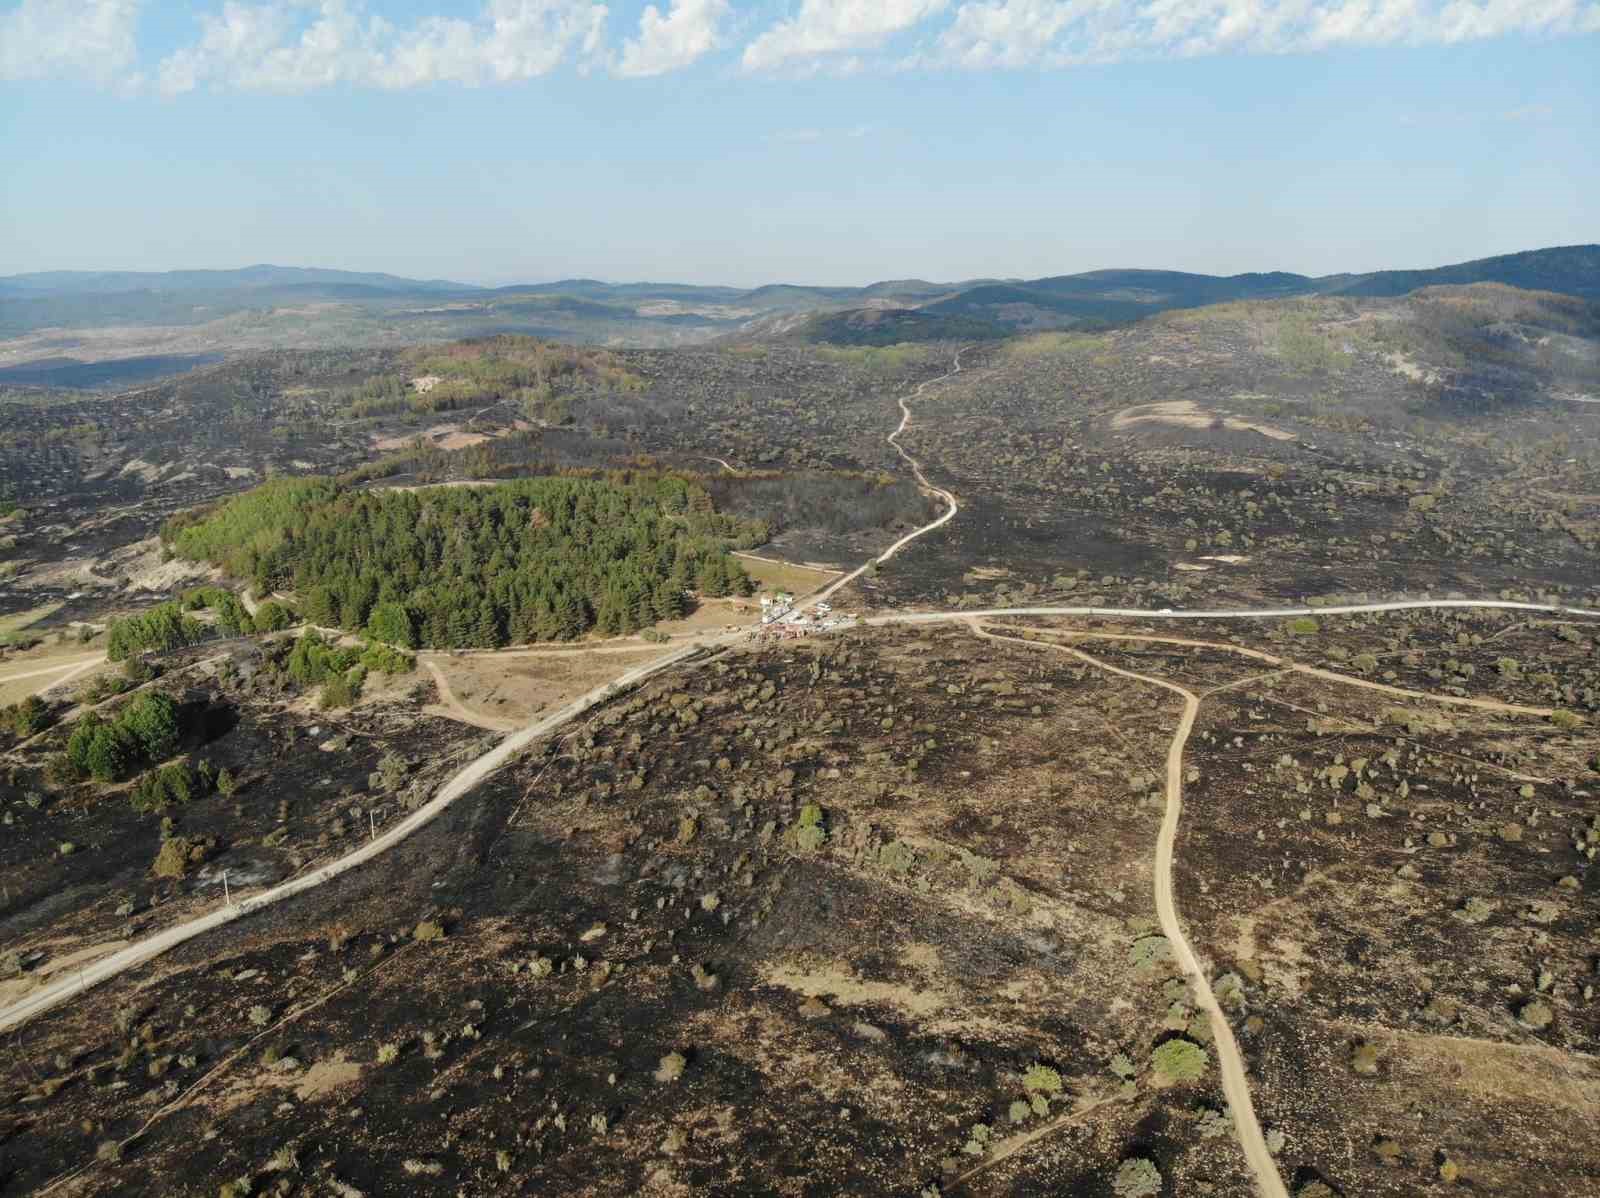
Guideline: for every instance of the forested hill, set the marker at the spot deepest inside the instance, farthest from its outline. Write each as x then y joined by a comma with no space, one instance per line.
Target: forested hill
477,567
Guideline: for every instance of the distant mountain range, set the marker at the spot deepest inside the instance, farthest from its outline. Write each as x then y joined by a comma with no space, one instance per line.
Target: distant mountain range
382,307
247,278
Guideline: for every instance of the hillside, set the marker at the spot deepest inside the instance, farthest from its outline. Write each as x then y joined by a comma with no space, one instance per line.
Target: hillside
111,318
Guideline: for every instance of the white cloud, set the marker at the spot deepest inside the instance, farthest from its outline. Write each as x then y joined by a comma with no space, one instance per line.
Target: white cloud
272,47
824,27
689,30
300,45
54,38
1017,33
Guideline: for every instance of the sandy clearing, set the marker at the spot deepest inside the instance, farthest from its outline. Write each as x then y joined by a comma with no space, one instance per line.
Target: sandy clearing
1185,413
503,691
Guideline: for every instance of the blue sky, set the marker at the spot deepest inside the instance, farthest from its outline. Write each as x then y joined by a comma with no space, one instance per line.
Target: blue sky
832,141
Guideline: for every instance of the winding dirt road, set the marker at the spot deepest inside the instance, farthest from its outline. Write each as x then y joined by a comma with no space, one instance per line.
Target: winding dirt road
922,481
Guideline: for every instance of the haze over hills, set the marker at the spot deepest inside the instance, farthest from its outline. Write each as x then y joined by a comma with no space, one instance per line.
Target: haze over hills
65,319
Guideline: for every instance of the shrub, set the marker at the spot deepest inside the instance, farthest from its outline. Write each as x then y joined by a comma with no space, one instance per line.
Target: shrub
152,720
671,1067
386,659
809,834
173,859
1364,1059
28,718
1303,626
392,623
1137,1177
172,784
1567,721
1535,1014
226,782
273,616
314,660
391,772
1148,952
1041,1079
98,749
339,691
1179,1060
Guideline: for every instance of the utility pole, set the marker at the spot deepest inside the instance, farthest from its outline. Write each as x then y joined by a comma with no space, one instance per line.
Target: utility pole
372,820
227,896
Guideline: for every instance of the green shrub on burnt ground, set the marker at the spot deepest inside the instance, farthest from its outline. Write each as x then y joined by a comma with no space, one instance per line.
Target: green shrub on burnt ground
314,659
28,718
172,785
535,559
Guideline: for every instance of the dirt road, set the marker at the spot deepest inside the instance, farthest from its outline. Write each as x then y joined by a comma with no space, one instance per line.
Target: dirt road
922,481
137,954
1230,1061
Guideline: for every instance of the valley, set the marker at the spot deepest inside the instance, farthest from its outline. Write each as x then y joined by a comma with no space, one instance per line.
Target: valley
1195,796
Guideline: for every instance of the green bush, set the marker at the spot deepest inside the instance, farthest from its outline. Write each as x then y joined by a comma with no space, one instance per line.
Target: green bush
27,718
387,660
152,721
1180,1060
273,616
172,785
392,623
1041,1079
1137,1177
314,660
98,749
232,618
809,833
342,690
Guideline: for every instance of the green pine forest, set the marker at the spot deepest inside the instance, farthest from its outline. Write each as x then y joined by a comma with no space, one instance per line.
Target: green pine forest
534,559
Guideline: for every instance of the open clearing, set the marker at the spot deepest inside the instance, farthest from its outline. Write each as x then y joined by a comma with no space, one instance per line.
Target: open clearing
770,574
511,688
1185,413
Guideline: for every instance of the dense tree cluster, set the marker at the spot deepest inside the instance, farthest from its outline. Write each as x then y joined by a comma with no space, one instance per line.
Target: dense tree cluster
162,627
147,729
535,559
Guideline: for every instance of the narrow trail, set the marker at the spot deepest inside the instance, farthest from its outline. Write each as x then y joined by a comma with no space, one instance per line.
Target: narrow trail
1293,667
1230,1061
453,706
77,665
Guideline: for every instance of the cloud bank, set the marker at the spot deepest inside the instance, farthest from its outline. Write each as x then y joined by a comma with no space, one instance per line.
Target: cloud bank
303,45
